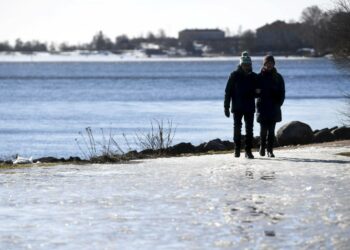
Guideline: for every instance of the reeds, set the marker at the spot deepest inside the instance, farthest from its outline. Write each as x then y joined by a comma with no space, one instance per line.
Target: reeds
107,149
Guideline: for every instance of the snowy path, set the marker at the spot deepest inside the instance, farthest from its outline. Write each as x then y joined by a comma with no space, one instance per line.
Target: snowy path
300,200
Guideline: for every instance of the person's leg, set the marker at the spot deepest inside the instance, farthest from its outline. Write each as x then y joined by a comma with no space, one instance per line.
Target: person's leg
271,138
237,126
263,134
249,122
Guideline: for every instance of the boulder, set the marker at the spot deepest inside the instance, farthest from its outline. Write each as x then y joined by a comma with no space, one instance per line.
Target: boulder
131,154
256,142
147,152
331,129
182,148
324,135
294,133
200,148
229,145
214,145
74,159
243,141
342,133
49,159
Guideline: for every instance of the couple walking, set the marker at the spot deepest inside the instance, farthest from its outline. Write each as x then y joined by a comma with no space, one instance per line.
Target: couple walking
242,88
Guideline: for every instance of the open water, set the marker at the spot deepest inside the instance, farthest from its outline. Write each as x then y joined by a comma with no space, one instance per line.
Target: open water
44,105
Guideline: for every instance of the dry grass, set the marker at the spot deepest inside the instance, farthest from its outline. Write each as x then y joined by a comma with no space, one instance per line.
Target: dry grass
107,149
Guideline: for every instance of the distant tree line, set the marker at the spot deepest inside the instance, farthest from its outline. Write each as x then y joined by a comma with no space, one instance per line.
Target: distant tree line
99,42
322,31
328,31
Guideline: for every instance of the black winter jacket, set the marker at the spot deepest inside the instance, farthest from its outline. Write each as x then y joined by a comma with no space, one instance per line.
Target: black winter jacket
271,97
240,91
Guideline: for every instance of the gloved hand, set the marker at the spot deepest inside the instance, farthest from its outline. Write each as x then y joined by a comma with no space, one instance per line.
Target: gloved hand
227,112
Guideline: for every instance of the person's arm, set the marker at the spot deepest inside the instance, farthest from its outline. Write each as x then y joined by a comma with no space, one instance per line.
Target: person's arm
228,94
282,91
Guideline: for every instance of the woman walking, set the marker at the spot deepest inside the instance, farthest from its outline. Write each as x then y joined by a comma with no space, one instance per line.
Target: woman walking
269,102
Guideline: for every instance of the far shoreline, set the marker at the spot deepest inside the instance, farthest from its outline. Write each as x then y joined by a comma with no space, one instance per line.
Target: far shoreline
75,56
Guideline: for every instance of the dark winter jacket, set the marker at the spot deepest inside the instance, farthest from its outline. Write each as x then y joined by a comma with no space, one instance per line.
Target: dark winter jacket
240,91
271,97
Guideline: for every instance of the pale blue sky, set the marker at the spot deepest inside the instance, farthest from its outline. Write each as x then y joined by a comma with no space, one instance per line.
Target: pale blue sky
77,20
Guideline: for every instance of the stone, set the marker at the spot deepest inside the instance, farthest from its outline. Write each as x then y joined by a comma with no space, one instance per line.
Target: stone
229,145
48,159
331,129
342,133
256,142
200,148
182,148
294,133
214,145
74,159
324,135
131,154
147,152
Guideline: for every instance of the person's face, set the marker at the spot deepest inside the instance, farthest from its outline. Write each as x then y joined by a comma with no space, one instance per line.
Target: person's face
269,66
246,67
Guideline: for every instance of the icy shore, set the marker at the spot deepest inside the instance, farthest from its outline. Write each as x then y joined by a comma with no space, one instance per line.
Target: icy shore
299,200
96,56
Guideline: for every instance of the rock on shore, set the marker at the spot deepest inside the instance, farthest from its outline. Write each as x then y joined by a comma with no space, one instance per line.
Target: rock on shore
292,133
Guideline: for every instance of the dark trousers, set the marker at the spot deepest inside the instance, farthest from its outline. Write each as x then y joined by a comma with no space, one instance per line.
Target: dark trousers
267,131
237,126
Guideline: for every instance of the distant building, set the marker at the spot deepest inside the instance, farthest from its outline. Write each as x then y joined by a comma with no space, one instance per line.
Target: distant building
207,41
191,35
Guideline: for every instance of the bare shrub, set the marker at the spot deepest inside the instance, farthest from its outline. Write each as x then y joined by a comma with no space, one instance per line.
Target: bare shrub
159,137
106,148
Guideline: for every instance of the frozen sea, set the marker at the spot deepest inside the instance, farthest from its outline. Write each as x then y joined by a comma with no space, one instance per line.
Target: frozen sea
44,105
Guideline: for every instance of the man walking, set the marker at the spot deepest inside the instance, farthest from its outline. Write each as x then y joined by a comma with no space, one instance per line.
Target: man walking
240,92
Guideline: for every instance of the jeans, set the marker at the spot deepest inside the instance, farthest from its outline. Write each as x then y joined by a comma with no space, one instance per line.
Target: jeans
267,131
237,124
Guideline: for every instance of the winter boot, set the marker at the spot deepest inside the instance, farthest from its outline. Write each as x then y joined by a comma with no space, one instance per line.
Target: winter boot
237,152
248,154
262,150
270,153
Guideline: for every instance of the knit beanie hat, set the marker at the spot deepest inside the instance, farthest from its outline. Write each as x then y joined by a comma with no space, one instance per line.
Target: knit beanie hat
245,58
269,58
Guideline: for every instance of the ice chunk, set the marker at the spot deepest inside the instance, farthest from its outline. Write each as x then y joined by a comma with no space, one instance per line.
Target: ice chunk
23,160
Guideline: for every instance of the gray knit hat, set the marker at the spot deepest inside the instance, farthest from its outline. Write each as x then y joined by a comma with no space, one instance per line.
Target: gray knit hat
245,58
